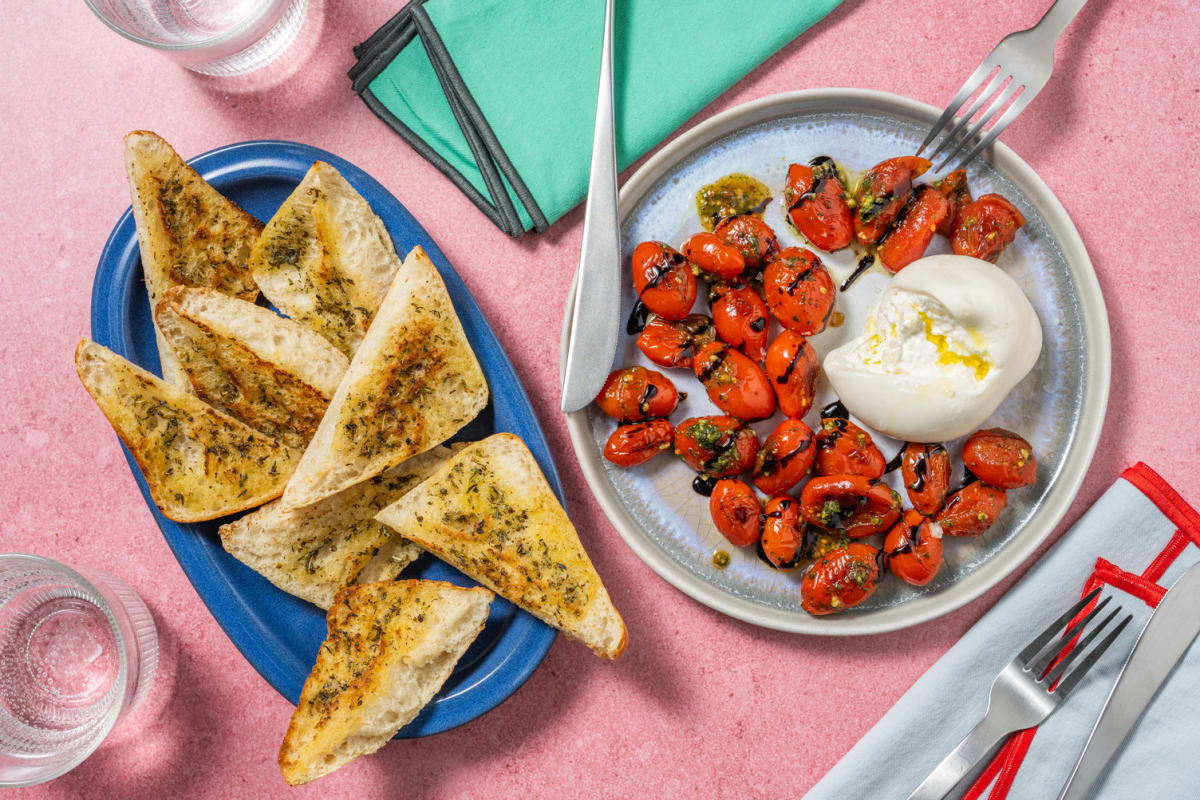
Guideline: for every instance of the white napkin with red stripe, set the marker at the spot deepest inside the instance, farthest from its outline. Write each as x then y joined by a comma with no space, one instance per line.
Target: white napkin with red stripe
1138,527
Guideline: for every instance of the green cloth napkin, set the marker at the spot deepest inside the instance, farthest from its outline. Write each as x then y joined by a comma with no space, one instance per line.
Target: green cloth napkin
503,92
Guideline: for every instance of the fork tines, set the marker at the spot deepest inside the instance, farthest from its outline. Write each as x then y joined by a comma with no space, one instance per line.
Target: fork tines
1048,657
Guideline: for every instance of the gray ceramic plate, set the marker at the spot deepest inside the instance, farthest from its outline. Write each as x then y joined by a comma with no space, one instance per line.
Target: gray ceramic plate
1059,407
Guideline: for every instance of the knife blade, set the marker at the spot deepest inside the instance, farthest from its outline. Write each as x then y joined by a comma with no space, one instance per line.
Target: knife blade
1167,635
594,308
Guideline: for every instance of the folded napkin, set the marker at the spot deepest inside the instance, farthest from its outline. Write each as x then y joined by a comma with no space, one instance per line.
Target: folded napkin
1137,539
501,96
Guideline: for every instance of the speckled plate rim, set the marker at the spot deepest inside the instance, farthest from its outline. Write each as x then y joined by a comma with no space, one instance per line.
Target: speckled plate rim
1097,352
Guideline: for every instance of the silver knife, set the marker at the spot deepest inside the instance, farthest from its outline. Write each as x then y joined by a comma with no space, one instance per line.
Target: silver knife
594,308
1164,640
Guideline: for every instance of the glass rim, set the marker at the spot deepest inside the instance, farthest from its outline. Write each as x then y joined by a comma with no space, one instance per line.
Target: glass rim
110,719
263,7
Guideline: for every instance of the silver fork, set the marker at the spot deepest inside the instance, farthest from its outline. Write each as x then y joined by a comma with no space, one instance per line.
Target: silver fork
1025,59
1024,693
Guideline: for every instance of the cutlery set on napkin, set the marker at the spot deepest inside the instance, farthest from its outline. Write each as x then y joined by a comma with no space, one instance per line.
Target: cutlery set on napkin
1139,545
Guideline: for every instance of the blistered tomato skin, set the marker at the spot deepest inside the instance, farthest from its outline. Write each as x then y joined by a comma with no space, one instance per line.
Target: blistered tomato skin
912,549
735,512
718,446
799,291
1000,458
971,510
849,504
782,542
784,458
674,344
751,237
792,369
712,256
734,382
954,188
636,393
925,472
843,448
882,193
742,319
985,227
816,204
663,280
911,236
630,445
840,579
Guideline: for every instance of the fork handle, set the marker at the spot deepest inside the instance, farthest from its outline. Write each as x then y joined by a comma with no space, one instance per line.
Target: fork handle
962,759
1056,20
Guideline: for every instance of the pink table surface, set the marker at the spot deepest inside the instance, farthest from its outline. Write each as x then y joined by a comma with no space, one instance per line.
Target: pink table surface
700,705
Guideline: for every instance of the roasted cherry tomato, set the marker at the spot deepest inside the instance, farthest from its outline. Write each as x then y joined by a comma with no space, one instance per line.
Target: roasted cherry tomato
784,458
882,192
735,383
913,549
751,237
735,512
663,280
791,366
673,344
782,542
713,256
971,510
799,291
850,504
718,446
816,204
741,319
985,227
907,241
635,444
843,448
954,187
925,472
636,393
1000,458
840,579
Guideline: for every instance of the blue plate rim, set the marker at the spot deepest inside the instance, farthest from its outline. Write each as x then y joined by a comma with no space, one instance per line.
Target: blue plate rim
507,668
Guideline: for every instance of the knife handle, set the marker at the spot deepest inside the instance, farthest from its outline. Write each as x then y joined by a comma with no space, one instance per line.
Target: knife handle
970,751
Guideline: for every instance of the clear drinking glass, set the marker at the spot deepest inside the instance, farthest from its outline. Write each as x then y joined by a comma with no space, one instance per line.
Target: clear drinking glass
213,37
78,649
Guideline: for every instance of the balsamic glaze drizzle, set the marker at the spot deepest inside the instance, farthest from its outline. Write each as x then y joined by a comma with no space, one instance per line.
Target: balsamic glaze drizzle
835,410
637,319
862,266
704,485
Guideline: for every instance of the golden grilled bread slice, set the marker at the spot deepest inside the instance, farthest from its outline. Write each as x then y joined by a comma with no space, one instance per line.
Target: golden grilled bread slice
390,647
272,373
313,552
489,512
199,463
325,259
189,233
412,384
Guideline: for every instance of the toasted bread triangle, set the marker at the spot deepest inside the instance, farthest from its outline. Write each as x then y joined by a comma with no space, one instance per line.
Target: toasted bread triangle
313,552
489,512
189,233
325,259
199,463
390,647
270,372
413,383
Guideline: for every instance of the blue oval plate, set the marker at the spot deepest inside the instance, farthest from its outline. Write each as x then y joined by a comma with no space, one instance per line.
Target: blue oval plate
277,633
